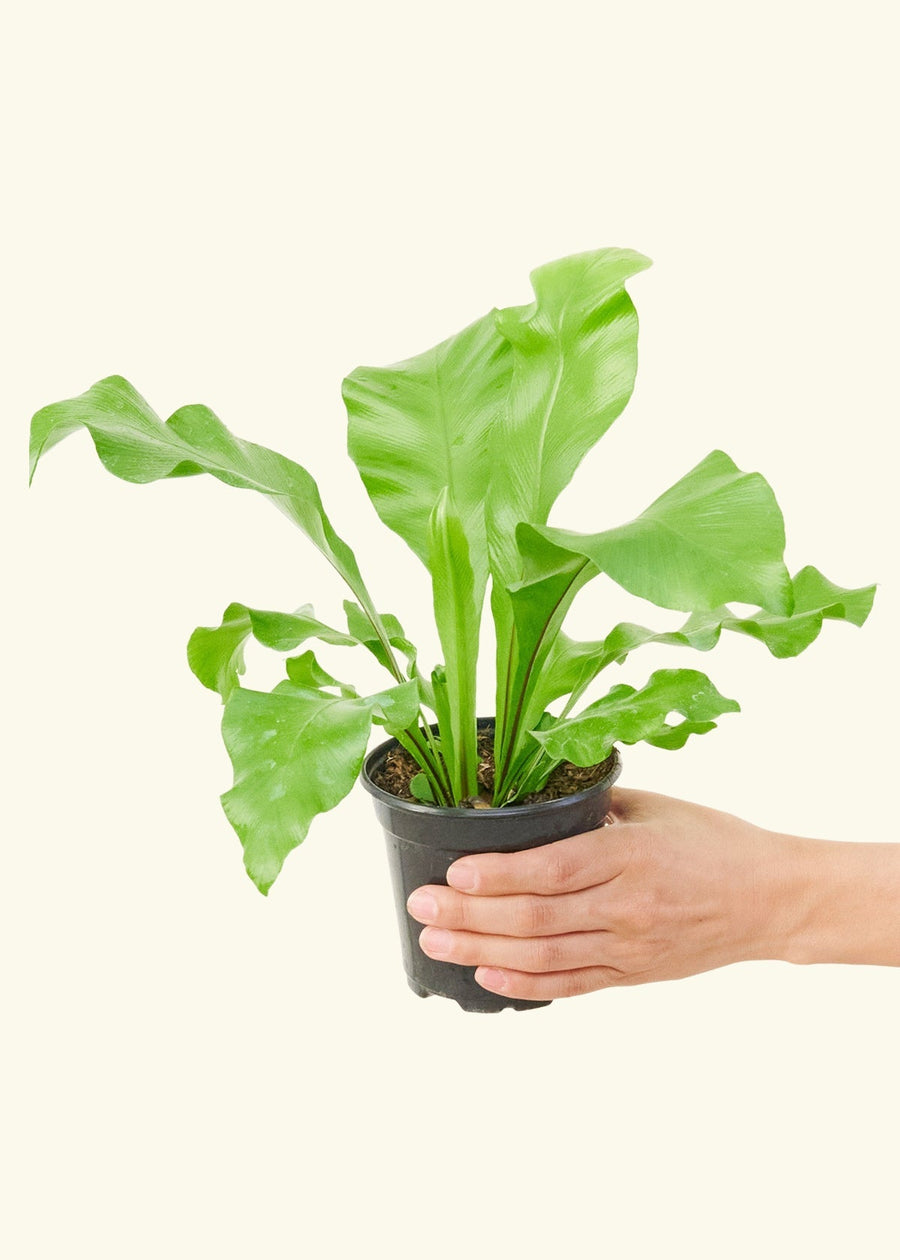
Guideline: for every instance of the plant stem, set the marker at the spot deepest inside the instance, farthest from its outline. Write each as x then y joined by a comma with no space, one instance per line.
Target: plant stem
529,780
533,775
428,757
409,740
502,788
438,759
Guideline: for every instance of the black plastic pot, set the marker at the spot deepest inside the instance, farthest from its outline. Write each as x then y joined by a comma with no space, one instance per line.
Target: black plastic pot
423,841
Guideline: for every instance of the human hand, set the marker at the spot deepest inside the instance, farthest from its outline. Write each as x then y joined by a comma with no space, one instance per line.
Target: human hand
667,890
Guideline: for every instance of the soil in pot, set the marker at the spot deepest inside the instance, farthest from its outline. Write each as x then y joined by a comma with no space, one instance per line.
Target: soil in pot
423,841
398,769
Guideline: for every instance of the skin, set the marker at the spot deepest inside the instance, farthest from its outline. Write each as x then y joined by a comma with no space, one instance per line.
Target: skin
667,889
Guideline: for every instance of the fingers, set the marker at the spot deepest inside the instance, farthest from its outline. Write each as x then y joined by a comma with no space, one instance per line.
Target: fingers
538,954
553,984
565,866
525,915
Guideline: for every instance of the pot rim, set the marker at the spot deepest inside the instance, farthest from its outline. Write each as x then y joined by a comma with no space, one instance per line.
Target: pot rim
456,811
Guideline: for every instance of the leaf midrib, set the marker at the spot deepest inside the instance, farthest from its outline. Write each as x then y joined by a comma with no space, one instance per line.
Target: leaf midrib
174,442
548,410
442,421
299,733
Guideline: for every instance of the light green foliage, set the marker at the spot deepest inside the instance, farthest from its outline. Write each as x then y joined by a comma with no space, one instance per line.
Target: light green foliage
457,615
216,653
628,715
574,354
296,753
421,788
573,666
464,450
574,351
716,535
425,425
305,671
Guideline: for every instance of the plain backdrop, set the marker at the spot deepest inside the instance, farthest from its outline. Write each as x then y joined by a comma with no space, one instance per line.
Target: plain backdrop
237,205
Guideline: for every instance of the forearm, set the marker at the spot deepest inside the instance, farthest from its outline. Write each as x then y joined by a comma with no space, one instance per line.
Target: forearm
846,903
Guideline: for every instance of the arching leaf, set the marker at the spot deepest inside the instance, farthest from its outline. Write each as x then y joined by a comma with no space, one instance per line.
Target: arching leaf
134,444
716,535
627,715
296,753
574,362
216,653
424,425
572,665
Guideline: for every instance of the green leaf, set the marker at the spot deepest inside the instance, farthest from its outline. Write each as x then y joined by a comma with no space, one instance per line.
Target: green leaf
360,628
133,443
571,666
537,608
446,725
216,653
627,715
296,753
424,425
716,535
574,362
397,707
305,671
421,788
816,597
457,615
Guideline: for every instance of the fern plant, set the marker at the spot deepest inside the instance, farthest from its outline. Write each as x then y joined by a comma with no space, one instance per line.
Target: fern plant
464,450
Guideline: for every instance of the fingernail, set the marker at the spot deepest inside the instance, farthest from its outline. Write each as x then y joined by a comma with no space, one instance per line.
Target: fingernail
491,978
462,875
436,942
422,906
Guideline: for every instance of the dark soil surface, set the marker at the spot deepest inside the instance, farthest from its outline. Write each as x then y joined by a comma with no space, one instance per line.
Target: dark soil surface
399,769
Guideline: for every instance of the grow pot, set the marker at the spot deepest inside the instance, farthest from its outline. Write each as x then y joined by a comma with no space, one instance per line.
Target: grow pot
424,840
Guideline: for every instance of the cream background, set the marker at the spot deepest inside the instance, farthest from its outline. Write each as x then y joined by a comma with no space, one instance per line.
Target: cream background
237,205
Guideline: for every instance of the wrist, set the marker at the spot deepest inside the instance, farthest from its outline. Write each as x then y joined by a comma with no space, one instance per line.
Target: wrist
840,902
